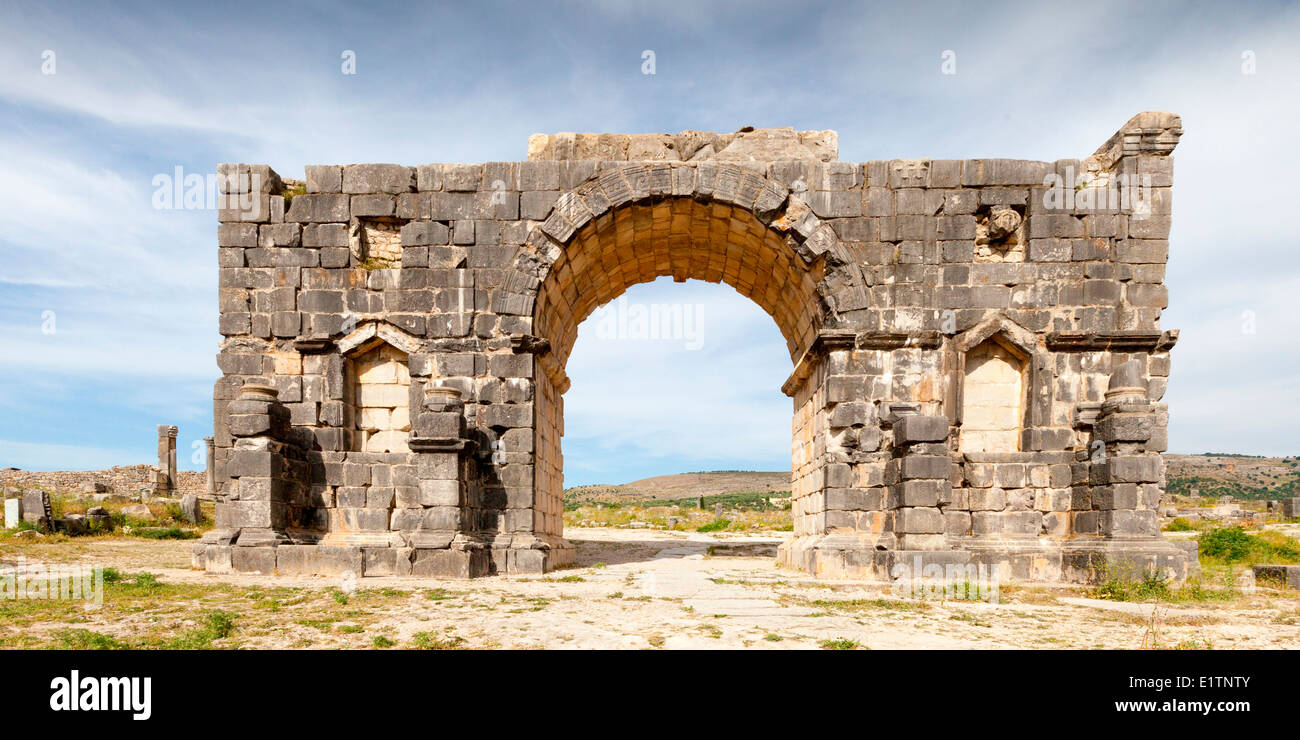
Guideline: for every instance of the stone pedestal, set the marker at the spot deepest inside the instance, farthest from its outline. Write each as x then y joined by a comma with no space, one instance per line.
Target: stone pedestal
254,513
1116,514
445,538
210,477
918,477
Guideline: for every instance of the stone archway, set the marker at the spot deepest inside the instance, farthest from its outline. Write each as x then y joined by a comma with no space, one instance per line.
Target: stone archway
500,261
631,224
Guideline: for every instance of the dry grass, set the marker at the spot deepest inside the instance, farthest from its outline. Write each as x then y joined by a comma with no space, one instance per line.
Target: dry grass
678,518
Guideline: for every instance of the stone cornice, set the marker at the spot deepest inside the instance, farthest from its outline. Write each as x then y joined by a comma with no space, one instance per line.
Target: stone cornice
1120,341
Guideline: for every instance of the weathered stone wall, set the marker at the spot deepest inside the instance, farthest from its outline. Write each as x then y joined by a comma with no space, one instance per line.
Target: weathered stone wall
121,480
890,281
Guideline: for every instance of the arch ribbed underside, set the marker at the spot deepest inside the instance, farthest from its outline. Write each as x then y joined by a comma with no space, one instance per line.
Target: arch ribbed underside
687,239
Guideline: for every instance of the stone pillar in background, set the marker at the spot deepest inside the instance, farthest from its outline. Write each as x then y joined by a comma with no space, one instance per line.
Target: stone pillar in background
444,538
166,484
13,512
919,481
1125,476
36,508
210,477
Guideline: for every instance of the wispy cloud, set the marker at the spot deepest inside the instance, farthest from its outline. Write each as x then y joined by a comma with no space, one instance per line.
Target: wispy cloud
141,90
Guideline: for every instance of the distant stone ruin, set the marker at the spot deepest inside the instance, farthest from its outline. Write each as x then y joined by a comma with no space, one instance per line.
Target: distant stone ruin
977,357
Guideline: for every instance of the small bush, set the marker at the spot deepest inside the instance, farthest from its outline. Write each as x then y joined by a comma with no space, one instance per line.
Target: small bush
430,641
1155,586
216,625
113,575
1180,524
164,533
714,526
1234,545
220,624
1231,544
83,639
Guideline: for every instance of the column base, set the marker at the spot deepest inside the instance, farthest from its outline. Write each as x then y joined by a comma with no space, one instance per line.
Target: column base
524,554
1023,560
461,557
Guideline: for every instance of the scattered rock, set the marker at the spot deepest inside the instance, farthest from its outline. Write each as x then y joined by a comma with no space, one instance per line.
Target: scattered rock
190,508
138,511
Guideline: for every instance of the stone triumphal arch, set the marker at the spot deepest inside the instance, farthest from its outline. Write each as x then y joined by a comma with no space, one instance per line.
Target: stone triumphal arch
976,352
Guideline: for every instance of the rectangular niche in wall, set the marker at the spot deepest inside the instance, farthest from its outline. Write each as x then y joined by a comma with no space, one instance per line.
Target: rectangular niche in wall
993,398
376,243
380,379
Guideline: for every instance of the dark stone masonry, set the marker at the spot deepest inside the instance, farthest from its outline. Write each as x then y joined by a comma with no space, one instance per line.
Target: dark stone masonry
977,355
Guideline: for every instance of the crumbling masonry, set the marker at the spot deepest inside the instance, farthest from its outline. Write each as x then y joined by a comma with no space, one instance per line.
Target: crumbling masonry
977,355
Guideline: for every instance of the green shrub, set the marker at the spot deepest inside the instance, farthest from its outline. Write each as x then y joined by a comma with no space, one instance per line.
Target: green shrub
220,624
164,533
1231,544
714,526
430,641
1234,545
83,639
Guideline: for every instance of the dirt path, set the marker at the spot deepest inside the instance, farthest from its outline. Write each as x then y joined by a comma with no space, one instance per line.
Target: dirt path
655,589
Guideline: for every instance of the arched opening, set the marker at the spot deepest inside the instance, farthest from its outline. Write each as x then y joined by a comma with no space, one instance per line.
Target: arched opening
680,237
993,397
674,378
379,382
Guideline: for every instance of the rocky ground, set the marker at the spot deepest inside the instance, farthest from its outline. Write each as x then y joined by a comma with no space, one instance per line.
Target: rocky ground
631,589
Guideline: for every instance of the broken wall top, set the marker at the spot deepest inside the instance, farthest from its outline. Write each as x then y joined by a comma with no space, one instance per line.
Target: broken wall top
746,145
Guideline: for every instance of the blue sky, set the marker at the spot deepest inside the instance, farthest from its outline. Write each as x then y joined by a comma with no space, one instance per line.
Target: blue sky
138,90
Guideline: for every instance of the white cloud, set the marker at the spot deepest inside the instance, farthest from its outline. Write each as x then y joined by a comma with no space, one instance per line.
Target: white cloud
134,288
43,456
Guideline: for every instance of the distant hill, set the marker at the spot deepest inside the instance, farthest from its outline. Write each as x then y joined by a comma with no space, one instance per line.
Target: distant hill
1209,474
1239,476
682,485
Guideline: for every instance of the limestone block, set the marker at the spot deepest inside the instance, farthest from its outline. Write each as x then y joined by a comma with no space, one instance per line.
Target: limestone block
378,178
260,560
318,208
450,563
442,493
920,492
388,561
918,520
987,499
324,179
915,428
924,466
